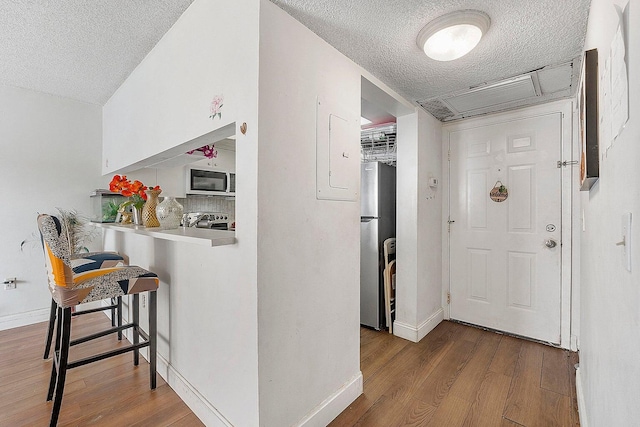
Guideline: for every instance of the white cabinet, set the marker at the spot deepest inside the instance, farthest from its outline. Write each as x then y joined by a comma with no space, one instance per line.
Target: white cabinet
226,161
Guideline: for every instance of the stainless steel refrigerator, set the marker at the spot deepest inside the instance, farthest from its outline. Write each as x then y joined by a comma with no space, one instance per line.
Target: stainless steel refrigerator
377,223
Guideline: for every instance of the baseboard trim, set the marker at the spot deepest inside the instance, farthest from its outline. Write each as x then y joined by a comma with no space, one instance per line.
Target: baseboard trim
415,334
320,416
574,343
24,319
580,397
328,410
200,406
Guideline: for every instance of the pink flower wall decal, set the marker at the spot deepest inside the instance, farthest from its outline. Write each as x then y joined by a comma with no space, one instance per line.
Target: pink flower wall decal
216,106
209,151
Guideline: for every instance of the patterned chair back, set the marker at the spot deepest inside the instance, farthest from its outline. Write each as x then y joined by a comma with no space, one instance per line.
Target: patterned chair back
56,252
75,280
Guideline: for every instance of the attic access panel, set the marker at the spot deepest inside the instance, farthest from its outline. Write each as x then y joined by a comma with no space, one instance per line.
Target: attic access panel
521,87
550,83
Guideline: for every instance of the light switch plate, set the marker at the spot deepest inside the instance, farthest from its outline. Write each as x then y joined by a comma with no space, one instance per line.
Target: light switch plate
626,238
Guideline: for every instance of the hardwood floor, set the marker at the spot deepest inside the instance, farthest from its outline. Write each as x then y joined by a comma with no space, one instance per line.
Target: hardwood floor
110,392
456,376
462,376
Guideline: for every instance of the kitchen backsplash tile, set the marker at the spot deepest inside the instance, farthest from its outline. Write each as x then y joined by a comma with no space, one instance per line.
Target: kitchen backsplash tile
210,204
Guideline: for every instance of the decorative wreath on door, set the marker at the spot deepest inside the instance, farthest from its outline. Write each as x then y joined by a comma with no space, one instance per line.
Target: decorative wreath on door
499,192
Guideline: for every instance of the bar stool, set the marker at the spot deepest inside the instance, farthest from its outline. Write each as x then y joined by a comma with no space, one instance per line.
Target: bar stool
389,251
81,263
69,289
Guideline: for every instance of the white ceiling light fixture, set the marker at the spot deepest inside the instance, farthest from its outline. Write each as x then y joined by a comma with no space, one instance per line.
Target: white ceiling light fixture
453,35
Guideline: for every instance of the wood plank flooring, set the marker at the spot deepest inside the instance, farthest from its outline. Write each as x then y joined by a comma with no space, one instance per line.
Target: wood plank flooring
456,376
110,392
462,376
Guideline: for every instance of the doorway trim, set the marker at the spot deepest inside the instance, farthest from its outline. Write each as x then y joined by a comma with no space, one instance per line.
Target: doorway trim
565,107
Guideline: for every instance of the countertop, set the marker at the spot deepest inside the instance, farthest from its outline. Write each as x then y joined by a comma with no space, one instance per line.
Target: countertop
200,236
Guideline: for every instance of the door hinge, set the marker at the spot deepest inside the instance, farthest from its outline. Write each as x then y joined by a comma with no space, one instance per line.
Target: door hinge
448,297
449,156
566,163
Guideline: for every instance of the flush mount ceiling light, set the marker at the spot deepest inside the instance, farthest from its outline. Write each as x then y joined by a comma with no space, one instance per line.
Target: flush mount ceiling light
453,35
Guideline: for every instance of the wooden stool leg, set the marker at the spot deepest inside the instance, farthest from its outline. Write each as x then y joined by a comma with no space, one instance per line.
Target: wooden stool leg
113,313
153,333
52,322
387,299
63,359
119,309
136,326
54,369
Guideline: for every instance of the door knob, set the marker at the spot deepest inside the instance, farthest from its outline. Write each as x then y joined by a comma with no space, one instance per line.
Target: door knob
550,243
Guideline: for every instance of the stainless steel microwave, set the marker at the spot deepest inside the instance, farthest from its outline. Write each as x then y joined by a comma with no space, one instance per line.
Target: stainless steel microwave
210,182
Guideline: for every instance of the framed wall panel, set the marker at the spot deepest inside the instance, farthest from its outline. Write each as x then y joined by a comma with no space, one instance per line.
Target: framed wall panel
589,117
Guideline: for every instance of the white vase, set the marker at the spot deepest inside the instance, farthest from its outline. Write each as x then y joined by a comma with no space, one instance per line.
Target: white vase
169,213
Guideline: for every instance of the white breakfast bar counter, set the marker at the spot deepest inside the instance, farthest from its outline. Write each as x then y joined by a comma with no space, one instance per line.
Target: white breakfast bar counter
199,236
200,271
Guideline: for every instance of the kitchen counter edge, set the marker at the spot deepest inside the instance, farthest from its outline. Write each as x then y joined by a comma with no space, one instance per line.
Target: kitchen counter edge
200,236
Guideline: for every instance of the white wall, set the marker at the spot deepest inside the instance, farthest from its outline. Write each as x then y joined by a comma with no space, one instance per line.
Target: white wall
166,100
610,295
50,157
208,296
419,226
296,264
308,249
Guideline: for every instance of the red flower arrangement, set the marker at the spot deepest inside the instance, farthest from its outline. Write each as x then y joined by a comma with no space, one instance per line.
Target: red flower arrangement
135,190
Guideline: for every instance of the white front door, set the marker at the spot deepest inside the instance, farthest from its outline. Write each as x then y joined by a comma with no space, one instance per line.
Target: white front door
503,273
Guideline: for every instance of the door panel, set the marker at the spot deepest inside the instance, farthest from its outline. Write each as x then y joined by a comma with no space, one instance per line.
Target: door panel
502,275
479,261
521,279
522,206
477,182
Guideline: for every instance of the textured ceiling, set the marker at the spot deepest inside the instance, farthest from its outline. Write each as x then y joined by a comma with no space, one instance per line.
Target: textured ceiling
79,49
380,35
84,49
